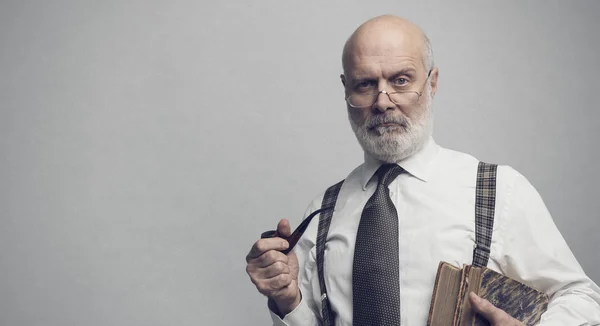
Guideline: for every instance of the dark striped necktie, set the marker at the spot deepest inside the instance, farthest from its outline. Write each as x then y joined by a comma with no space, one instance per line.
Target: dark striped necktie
375,272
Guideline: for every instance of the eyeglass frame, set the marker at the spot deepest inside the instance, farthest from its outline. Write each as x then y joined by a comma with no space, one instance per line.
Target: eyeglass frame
376,95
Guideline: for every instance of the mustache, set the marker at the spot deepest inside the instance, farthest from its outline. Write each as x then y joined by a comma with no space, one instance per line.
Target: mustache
377,120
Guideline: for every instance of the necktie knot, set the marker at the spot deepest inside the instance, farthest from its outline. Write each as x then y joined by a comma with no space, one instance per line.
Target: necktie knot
388,173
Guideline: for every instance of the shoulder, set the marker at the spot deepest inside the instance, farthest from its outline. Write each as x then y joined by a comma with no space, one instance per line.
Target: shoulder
511,177
515,195
454,168
461,168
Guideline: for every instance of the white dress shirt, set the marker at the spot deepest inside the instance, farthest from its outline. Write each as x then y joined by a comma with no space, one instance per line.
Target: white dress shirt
435,201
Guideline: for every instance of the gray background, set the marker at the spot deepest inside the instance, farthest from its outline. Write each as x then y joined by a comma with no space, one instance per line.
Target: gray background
146,144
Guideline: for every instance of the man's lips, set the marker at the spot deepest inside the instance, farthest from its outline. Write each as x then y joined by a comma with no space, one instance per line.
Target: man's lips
387,127
387,124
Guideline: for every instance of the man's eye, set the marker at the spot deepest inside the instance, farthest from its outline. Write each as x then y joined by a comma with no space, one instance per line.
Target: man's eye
400,82
364,85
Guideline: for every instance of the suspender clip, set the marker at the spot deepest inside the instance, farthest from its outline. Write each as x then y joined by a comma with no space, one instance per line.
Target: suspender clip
323,296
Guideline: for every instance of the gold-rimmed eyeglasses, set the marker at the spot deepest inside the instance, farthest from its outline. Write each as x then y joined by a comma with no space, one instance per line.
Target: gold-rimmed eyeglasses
365,100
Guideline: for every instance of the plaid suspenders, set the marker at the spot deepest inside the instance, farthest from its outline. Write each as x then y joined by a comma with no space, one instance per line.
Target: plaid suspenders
329,200
485,201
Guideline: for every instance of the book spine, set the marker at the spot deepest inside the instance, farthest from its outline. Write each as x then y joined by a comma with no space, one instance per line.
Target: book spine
464,282
433,295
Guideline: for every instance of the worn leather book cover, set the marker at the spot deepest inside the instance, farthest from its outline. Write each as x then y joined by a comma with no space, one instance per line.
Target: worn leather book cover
450,304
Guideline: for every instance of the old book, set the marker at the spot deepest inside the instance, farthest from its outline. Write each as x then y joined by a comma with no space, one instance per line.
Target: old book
450,304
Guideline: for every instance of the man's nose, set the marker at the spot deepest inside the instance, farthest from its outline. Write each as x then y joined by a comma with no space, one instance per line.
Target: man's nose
383,102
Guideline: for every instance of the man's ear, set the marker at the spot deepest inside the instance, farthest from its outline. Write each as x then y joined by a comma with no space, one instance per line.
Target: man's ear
434,81
343,78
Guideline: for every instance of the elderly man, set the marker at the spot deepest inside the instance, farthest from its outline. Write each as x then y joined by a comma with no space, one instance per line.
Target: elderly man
409,206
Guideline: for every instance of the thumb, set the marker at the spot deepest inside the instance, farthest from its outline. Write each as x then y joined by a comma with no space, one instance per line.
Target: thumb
487,310
284,229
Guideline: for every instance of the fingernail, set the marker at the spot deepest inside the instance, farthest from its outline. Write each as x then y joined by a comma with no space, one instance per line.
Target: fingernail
475,297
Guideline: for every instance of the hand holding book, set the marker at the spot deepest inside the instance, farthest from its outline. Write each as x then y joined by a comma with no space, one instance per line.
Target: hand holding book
495,316
504,301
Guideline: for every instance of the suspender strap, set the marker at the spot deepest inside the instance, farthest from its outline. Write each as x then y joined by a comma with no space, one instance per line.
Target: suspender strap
485,203
329,200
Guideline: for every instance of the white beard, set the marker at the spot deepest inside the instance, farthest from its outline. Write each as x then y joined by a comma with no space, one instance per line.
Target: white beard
395,143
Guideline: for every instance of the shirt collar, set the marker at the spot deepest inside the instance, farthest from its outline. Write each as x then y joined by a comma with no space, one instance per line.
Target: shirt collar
419,165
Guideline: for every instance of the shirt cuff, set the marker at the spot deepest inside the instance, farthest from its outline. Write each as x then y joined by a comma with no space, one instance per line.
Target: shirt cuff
301,315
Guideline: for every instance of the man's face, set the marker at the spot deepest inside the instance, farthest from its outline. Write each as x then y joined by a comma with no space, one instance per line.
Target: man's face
389,61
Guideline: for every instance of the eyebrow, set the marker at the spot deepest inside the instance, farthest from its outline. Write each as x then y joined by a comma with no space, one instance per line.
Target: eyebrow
404,71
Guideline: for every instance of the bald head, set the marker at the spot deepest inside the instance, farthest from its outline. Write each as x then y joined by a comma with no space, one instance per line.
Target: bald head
384,34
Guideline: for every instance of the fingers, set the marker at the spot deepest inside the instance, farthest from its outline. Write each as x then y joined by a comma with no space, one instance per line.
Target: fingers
276,243
283,228
271,274
269,271
494,315
264,245
268,258
273,270
272,286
